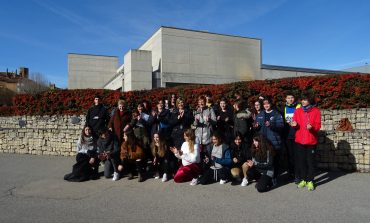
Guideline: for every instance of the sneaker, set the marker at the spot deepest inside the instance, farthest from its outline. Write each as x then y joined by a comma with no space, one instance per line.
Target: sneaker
296,180
301,184
223,181
115,176
156,176
244,182
164,177
194,182
310,186
130,176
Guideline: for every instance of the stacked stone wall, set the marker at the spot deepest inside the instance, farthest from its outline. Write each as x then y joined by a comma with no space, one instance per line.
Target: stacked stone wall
57,135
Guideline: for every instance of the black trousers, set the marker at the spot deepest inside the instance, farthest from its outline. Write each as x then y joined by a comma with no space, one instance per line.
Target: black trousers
132,165
305,165
210,175
264,182
276,163
290,151
165,165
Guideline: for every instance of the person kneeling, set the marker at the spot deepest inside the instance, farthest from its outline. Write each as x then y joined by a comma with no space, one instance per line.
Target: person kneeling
261,166
109,153
218,162
190,157
132,156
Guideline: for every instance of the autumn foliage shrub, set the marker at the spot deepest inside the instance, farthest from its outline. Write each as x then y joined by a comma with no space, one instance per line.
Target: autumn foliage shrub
331,92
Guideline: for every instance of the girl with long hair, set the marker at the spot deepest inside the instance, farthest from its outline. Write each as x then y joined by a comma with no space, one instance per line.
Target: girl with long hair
163,160
132,156
261,167
190,157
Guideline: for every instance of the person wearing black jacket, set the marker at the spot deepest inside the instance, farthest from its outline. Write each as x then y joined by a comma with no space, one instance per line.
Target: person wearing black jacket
225,121
161,118
240,153
287,111
261,166
97,117
108,152
242,121
180,120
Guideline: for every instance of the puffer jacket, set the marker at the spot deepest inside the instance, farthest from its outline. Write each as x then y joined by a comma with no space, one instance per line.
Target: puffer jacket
303,135
272,132
202,126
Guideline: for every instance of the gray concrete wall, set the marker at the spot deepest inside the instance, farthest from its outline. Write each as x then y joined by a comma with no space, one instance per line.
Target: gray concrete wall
138,70
275,74
201,57
90,71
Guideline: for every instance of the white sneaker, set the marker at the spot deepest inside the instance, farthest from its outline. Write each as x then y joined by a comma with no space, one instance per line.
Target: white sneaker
194,182
156,176
164,177
115,176
244,182
223,181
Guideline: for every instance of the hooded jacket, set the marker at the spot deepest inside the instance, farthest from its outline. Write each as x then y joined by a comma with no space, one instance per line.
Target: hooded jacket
313,117
272,132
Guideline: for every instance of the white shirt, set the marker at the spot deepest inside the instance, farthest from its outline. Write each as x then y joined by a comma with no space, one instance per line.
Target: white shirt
187,157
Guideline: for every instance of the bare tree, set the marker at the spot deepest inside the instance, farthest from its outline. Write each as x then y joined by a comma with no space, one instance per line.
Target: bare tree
36,83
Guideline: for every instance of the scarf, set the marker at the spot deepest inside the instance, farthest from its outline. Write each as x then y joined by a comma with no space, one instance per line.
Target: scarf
307,108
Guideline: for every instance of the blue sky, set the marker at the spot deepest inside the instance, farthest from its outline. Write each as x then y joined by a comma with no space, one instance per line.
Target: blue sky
325,34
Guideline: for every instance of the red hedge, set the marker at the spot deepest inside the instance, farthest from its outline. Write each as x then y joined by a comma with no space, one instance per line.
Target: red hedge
332,91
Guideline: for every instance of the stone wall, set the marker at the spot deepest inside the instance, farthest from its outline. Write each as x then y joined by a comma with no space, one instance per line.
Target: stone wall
57,135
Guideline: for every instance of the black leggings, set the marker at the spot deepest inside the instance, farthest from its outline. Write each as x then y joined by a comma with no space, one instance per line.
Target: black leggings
165,165
305,161
264,182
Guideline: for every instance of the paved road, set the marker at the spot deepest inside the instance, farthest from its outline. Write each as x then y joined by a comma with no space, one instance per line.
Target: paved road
32,190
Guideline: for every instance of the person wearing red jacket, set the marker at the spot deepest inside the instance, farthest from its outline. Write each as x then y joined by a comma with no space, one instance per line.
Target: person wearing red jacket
307,121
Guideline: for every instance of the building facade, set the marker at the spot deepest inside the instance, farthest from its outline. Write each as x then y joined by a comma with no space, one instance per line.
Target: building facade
173,56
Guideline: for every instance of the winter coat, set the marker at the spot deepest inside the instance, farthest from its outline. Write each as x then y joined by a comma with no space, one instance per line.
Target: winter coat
288,131
264,166
128,153
272,132
118,123
242,122
303,135
86,146
225,124
242,153
97,118
225,160
203,127
108,144
161,124
179,126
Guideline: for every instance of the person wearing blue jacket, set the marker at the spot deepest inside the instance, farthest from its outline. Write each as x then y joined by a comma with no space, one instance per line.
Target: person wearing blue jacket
270,124
218,161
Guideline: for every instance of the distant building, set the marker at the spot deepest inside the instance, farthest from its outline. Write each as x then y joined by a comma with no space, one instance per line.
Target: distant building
90,71
173,56
360,69
12,80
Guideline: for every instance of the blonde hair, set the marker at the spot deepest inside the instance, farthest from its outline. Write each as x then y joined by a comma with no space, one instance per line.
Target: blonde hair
122,102
191,139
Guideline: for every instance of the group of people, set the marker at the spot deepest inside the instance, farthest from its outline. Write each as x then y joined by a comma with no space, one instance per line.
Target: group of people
213,143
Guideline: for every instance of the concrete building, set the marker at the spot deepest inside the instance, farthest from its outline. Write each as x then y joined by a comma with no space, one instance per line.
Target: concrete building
90,71
173,56
360,69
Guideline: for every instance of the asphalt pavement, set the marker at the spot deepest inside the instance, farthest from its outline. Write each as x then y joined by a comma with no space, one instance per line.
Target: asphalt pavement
32,189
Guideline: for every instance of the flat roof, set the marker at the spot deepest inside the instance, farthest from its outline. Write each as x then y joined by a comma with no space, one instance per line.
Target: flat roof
86,54
207,32
301,69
